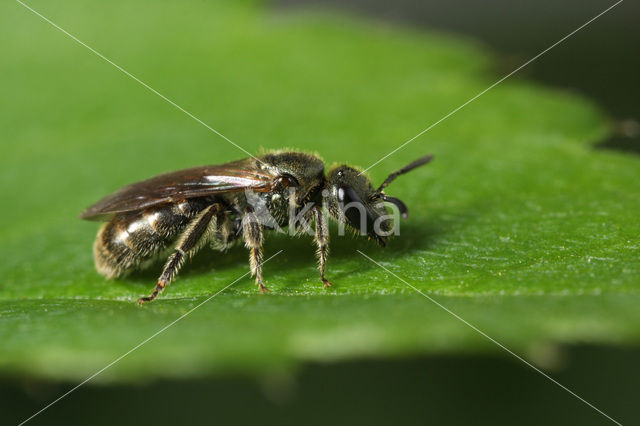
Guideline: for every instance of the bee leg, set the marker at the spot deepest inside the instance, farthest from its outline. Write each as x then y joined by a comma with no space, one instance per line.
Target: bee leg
188,244
322,240
252,233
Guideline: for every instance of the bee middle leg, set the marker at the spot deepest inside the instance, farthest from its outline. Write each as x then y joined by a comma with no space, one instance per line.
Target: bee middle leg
195,235
252,233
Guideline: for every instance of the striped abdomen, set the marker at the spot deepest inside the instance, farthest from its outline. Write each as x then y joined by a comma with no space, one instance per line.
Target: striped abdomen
132,238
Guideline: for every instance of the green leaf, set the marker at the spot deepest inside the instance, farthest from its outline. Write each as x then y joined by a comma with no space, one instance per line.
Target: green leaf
519,226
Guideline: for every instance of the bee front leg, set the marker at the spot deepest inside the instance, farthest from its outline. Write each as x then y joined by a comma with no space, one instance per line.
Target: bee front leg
252,233
188,244
322,241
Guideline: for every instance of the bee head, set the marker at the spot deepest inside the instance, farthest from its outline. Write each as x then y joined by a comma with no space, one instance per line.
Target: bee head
353,200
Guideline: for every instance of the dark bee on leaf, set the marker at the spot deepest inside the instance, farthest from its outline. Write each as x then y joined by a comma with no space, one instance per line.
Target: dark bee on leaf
178,213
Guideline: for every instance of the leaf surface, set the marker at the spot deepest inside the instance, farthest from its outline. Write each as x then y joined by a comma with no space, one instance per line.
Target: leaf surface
519,226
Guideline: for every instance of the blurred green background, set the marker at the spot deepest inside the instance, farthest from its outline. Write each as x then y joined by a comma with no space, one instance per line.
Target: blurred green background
525,225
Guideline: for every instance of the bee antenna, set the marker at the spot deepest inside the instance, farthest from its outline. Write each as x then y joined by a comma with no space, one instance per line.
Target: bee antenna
417,163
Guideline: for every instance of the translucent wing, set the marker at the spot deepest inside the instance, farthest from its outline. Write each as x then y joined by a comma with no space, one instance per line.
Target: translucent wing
182,184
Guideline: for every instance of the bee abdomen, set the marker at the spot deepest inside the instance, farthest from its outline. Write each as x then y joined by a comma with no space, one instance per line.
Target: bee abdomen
130,239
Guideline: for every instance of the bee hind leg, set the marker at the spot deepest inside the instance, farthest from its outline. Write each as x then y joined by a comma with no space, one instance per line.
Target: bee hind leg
196,234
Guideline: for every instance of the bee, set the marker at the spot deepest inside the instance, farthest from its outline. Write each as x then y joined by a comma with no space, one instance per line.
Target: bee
178,213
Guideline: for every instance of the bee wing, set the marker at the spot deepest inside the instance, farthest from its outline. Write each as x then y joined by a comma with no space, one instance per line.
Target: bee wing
182,184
